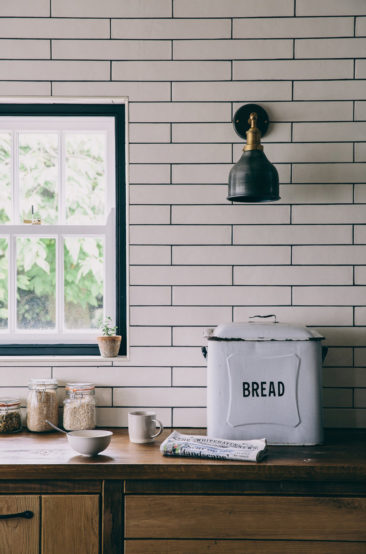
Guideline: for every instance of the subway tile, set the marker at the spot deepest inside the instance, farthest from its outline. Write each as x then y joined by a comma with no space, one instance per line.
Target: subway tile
360,398
360,234
103,396
232,50
24,88
316,194
179,315
232,91
189,417
231,255
167,396
115,376
231,214
224,132
329,214
20,376
172,28
333,7
329,173
232,8
24,8
118,417
344,377
170,71
177,194
307,111
360,152
25,49
360,275
329,90
301,315
292,234
180,153
339,357
111,8
293,69
180,111
360,26
147,255
180,234
138,92
149,132
360,193
231,296
189,376
306,152
361,68
111,49
53,28
150,336
149,173
294,27
149,214
360,357
360,316
170,275
192,336
343,336
341,131
344,418
293,275
20,393
165,356
360,110
328,255
53,70
333,296
329,48
337,398
145,296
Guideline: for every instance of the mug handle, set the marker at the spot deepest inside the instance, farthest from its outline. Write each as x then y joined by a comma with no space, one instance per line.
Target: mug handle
161,429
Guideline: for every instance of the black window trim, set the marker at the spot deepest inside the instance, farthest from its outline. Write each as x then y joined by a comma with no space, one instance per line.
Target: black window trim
74,109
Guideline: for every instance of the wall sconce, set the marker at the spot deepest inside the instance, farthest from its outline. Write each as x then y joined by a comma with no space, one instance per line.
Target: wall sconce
253,178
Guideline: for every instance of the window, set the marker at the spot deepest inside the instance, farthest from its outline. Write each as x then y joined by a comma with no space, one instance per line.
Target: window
62,225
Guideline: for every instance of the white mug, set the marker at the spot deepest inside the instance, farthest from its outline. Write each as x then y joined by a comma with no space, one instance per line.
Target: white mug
142,427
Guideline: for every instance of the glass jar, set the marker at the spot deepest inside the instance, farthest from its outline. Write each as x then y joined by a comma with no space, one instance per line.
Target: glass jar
10,418
42,404
79,407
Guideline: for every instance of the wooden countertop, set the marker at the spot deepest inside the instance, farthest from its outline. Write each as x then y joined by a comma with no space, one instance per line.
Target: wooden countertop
49,456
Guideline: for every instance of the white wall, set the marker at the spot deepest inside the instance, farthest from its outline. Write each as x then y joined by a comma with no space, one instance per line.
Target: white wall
197,260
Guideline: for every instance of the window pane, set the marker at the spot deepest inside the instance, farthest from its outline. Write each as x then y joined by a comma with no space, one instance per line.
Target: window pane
36,283
3,283
85,178
38,168
84,282
5,179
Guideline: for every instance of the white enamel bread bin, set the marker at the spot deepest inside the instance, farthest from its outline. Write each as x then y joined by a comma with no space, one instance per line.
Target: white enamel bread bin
264,380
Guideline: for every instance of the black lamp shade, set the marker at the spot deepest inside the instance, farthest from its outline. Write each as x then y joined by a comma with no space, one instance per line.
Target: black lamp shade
253,179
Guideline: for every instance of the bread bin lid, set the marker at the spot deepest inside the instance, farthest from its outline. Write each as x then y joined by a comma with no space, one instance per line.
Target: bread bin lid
260,331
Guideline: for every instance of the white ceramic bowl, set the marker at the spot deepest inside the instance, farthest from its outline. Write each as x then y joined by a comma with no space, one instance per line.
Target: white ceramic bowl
89,442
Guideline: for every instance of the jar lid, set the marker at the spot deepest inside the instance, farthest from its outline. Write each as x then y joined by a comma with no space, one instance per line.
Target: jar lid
9,403
79,386
34,383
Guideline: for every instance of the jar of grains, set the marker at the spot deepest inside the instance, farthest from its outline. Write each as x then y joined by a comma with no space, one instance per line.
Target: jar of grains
79,406
42,404
10,419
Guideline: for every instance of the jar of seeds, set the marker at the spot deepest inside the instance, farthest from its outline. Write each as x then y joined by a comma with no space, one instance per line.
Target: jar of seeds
42,404
10,419
79,407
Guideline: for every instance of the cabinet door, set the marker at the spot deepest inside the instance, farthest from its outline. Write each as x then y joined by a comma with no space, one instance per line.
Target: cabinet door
70,524
19,535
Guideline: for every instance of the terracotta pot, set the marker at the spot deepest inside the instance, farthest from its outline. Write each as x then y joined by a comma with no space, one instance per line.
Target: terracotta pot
109,346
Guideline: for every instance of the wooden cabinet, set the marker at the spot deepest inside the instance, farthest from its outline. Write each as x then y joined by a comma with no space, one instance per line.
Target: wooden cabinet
19,534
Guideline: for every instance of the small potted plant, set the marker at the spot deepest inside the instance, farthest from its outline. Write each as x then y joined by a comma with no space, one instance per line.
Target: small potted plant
109,342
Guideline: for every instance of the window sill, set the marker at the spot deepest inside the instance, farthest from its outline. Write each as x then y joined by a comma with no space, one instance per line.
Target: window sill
60,360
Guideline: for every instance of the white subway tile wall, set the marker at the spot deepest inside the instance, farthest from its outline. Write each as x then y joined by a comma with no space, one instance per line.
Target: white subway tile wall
195,259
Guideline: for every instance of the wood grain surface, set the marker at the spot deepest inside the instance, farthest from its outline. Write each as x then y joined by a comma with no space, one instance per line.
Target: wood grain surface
19,535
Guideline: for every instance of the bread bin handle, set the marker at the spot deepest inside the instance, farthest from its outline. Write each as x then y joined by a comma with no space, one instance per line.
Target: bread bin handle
264,317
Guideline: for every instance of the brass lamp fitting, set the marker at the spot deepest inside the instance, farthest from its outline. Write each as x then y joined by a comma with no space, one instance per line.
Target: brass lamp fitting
253,134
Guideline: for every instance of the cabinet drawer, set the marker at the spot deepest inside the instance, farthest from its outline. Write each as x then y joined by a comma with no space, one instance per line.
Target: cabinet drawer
245,517
238,547
19,535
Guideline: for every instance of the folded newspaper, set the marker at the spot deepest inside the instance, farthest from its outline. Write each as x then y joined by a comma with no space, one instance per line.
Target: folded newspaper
200,446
